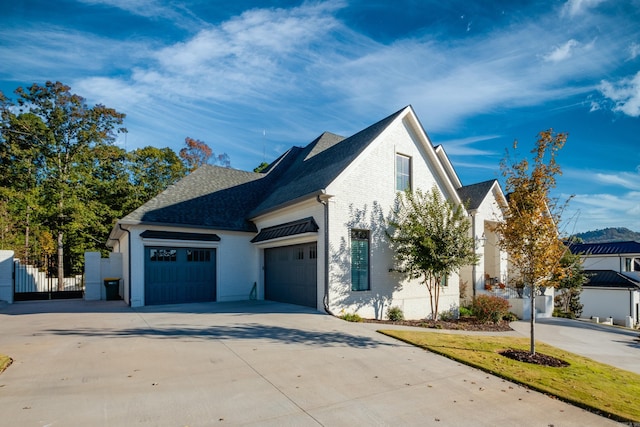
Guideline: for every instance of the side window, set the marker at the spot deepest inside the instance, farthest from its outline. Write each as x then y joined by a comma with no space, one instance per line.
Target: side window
403,172
359,260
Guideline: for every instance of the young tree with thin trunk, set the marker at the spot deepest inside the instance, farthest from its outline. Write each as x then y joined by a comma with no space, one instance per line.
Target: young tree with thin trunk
431,240
529,232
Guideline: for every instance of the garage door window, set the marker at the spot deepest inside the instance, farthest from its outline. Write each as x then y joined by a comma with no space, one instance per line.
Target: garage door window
163,255
359,260
198,255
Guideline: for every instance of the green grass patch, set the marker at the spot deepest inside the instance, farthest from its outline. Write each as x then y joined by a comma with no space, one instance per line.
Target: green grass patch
5,361
585,383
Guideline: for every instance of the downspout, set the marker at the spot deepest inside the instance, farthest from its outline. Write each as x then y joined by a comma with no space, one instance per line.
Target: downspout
128,259
475,251
324,200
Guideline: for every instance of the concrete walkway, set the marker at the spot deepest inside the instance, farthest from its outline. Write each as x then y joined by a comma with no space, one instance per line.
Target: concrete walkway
82,363
619,347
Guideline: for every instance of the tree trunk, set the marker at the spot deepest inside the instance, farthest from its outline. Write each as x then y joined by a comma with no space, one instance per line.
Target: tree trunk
533,319
60,262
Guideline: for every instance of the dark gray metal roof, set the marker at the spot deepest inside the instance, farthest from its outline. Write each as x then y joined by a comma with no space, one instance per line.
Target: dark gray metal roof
172,235
305,225
609,279
473,195
613,248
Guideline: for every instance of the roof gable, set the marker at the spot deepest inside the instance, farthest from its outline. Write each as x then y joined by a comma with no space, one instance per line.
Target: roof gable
473,195
314,168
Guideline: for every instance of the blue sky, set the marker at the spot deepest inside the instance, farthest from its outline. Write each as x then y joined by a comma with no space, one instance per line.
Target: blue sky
254,78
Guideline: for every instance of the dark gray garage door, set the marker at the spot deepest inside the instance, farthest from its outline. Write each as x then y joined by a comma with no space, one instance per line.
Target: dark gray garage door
290,274
179,275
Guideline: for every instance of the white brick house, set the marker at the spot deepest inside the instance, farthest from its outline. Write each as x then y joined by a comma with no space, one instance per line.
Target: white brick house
310,230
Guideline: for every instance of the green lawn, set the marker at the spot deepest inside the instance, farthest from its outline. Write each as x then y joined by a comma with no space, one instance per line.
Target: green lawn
5,361
584,382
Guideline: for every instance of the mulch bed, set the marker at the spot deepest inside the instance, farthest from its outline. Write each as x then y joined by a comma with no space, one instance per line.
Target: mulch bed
536,358
462,324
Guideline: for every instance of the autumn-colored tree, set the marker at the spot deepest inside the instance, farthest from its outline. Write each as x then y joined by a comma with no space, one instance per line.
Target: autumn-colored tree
431,240
529,233
195,154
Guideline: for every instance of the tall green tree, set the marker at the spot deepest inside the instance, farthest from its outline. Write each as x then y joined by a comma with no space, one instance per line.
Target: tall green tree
529,233
569,285
431,239
152,170
56,131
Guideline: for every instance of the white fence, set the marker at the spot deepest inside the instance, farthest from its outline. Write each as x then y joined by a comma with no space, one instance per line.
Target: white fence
29,278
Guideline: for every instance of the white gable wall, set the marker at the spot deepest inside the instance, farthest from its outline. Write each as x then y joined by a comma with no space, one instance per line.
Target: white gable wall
363,198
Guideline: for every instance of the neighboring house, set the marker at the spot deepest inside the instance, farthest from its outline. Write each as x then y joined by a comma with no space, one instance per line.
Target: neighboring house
613,289
309,230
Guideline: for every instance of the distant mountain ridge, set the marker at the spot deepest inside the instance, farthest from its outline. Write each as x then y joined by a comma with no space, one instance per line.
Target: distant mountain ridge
619,234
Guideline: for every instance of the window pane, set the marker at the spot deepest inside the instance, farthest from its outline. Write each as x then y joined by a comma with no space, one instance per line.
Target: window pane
403,173
359,260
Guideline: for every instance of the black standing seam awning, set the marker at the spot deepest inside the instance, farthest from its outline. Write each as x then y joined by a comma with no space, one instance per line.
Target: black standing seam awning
305,225
173,235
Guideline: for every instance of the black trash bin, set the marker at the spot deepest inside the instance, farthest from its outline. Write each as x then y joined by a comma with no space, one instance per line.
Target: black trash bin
113,288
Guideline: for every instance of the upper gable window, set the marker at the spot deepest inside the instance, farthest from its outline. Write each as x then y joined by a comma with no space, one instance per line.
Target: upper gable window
403,172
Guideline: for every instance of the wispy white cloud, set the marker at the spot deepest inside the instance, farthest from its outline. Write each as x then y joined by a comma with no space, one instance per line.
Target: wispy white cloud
626,180
601,210
574,8
634,51
464,146
562,52
624,93
153,9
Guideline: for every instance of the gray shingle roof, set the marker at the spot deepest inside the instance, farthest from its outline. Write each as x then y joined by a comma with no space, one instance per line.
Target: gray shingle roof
473,195
609,279
613,248
211,196
224,198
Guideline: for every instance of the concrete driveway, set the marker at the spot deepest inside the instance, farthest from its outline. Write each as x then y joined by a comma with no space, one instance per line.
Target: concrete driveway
254,363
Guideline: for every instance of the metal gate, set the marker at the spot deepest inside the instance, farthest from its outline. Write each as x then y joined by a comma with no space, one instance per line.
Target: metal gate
33,282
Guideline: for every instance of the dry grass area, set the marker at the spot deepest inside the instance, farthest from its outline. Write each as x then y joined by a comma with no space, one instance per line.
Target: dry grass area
585,383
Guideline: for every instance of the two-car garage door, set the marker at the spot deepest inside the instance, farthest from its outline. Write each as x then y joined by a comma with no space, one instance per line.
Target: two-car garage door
179,275
291,274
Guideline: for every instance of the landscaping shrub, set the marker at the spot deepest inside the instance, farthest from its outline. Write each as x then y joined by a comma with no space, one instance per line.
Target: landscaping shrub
395,314
490,308
509,317
351,317
466,312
